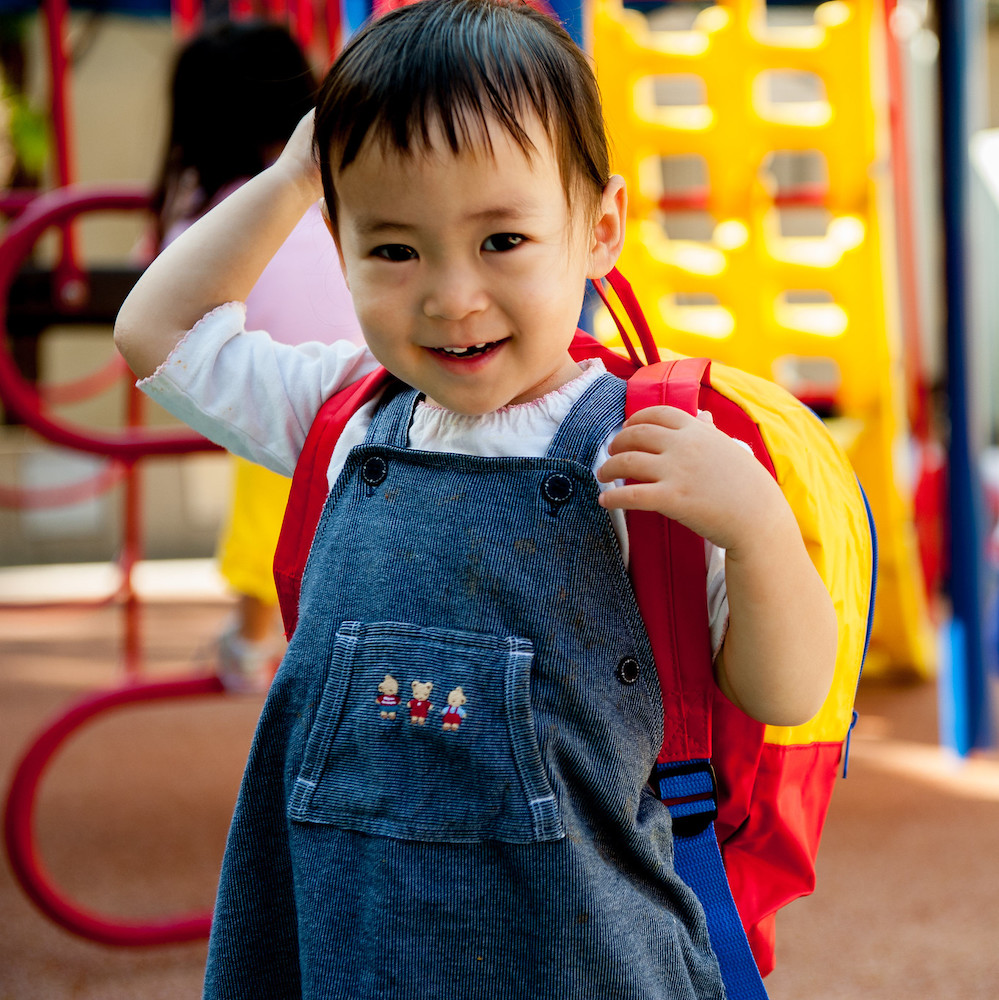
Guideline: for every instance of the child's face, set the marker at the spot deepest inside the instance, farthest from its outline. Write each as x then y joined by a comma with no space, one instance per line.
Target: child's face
476,253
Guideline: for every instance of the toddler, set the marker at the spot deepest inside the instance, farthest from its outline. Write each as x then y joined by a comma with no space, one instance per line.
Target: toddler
473,541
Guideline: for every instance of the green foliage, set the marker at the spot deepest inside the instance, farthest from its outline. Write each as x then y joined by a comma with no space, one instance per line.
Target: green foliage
29,133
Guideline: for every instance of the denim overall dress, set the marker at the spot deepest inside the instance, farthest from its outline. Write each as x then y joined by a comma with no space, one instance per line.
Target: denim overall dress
447,793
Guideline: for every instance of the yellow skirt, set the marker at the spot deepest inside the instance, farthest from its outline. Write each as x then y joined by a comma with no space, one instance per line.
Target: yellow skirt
246,548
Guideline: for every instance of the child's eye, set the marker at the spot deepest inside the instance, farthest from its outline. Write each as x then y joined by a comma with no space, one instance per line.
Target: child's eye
396,252
499,242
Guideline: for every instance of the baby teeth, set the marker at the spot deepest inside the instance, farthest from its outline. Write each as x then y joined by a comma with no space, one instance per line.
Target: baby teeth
463,350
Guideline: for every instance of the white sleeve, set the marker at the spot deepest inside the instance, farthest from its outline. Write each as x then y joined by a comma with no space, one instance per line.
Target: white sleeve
252,395
717,596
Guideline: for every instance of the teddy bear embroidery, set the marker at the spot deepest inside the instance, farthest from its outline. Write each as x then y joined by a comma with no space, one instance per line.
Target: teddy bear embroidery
388,699
455,713
420,705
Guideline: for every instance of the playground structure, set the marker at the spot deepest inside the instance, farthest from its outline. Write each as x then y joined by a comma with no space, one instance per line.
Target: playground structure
70,293
810,307
763,232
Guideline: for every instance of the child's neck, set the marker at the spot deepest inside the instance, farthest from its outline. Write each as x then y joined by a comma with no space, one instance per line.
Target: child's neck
555,383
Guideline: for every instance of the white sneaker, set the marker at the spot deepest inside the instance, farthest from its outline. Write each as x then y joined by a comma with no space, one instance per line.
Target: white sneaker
244,667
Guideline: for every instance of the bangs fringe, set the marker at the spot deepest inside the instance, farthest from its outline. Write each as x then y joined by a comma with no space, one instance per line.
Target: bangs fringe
451,68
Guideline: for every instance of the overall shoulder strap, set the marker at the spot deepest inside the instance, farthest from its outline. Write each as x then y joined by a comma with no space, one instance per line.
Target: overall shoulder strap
391,420
593,418
309,489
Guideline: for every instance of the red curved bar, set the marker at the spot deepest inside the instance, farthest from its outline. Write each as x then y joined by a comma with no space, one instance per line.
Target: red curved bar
47,210
19,823
13,203
108,476
89,385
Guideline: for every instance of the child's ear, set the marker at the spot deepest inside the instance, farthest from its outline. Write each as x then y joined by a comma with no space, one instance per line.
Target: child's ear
331,226
608,231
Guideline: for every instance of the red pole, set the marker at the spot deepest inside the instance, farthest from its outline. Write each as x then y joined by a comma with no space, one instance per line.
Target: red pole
333,28
303,21
55,20
132,549
186,16
917,390
70,285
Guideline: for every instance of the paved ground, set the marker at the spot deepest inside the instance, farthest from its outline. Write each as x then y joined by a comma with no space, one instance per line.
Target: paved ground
133,814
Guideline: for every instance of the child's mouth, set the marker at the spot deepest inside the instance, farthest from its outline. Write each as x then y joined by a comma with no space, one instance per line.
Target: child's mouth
473,351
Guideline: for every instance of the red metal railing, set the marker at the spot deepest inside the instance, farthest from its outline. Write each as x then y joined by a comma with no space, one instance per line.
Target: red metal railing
125,449
34,214
19,823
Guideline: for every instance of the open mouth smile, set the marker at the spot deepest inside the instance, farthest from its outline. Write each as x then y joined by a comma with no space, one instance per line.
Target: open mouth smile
474,350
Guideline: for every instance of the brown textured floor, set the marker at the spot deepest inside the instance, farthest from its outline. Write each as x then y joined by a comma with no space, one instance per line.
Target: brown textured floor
133,815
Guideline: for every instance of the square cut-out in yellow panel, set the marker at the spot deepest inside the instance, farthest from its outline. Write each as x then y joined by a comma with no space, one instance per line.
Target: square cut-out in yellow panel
683,180
801,174
675,101
815,314
701,315
791,97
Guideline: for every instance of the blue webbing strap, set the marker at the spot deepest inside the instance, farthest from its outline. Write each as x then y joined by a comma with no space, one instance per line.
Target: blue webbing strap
689,790
870,616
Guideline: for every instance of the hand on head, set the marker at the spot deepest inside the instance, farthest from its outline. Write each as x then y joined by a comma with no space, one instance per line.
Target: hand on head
298,158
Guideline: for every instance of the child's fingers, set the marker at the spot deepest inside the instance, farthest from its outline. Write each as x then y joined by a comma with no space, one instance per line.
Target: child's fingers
298,157
665,416
650,429
643,466
632,496
640,437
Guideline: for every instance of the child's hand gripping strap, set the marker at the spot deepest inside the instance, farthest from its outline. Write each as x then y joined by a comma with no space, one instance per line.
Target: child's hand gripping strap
668,573
667,561
666,558
310,489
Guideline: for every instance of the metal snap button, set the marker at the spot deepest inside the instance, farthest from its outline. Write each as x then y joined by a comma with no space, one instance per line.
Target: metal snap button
557,488
374,470
628,670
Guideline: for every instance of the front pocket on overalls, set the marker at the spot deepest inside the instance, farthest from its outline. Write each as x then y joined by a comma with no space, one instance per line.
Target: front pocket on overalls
427,734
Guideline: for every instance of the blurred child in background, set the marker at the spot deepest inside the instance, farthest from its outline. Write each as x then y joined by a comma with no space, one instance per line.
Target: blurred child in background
238,91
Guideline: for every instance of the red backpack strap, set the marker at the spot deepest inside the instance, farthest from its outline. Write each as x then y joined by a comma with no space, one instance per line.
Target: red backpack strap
669,575
667,560
585,345
309,489
665,556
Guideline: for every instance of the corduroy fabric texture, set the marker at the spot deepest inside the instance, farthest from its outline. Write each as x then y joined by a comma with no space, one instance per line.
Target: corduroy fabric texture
519,854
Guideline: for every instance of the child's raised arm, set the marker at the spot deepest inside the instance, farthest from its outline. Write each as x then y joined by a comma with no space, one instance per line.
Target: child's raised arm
218,259
780,649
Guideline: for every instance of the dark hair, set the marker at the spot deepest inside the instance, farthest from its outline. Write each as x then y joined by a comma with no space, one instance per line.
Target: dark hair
459,64
237,93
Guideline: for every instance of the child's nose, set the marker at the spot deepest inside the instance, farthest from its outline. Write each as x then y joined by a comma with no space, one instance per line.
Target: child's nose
453,294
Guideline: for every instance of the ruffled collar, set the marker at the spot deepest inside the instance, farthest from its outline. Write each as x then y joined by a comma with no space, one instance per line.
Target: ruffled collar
506,431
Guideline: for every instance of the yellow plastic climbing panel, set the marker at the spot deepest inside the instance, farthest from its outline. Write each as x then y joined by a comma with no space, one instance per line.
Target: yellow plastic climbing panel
755,157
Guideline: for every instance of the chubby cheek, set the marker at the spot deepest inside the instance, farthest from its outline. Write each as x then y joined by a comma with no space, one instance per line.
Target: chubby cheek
554,309
380,341
558,281
388,338
381,315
